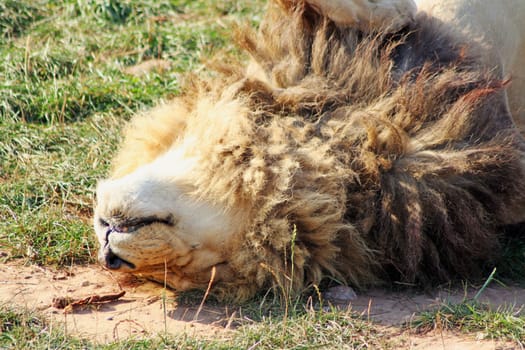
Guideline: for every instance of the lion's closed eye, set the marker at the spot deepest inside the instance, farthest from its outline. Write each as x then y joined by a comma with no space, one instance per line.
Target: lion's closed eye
133,224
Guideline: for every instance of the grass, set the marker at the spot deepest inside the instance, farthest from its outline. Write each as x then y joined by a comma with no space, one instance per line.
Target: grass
471,316
47,175
64,96
29,330
306,329
63,60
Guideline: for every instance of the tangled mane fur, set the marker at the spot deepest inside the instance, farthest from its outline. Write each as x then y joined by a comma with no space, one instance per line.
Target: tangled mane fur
365,157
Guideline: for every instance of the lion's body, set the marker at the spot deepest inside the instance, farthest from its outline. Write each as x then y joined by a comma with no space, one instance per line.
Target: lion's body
364,158
499,29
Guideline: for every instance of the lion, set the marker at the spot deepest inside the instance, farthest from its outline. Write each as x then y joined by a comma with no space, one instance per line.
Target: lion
498,28
361,153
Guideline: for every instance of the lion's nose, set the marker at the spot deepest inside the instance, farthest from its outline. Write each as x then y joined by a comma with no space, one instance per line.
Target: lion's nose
112,261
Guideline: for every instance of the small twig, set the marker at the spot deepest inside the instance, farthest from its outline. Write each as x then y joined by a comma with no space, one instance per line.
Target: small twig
69,304
230,320
164,311
213,270
19,283
255,345
369,309
115,329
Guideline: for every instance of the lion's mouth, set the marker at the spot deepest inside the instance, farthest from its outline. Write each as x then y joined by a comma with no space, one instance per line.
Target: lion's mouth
127,226
112,261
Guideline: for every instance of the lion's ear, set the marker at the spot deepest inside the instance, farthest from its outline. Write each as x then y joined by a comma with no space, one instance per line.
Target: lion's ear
367,16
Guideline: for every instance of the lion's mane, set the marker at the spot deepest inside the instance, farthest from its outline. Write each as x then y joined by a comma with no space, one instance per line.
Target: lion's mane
366,157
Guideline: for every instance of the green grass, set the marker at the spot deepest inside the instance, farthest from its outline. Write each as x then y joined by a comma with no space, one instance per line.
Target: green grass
29,330
63,60
47,176
64,96
470,316
304,329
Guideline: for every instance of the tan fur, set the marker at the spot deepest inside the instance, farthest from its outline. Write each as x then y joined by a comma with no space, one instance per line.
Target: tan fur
496,27
366,15
367,158
149,136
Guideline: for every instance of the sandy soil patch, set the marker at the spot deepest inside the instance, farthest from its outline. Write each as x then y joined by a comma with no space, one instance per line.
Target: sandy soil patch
146,308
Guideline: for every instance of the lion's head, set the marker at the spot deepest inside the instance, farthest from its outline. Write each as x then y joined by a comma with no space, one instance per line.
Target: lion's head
148,218
362,157
149,226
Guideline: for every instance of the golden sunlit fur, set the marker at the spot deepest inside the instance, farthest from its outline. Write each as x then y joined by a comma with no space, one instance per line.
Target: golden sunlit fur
364,157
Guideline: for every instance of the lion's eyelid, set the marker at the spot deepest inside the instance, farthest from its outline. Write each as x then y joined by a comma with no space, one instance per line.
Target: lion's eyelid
132,225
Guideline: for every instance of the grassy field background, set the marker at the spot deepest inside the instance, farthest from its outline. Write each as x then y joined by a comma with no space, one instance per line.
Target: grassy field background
64,97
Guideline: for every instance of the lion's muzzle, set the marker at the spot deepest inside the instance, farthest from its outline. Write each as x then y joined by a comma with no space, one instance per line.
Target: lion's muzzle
108,258
112,261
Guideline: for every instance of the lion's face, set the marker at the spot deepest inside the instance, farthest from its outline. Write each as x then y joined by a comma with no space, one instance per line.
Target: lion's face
147,224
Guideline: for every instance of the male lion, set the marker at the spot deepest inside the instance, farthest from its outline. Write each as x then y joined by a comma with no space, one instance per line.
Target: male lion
358,149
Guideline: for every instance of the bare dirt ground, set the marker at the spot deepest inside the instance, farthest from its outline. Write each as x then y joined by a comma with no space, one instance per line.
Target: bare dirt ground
147,308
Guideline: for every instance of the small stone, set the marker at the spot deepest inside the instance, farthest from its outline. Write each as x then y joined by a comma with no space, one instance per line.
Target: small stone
340,294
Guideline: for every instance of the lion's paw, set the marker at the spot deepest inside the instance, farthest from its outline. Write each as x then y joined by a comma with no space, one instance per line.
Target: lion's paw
368,15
